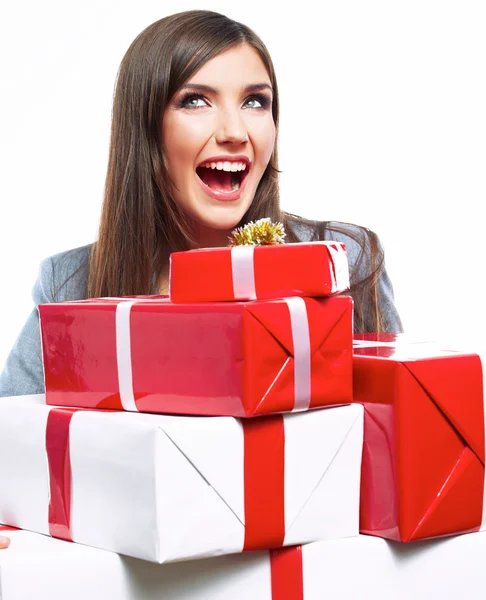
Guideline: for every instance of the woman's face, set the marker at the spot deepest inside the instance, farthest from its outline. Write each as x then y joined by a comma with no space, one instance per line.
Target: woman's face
219,135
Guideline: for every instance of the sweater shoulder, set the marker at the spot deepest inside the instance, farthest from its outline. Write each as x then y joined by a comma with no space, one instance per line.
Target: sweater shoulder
360,241
66,274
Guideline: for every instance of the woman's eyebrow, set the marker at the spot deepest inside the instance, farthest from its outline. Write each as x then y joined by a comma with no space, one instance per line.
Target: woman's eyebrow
200,87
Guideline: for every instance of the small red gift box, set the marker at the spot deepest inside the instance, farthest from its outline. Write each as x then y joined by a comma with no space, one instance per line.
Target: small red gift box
256,272
423,459
236,359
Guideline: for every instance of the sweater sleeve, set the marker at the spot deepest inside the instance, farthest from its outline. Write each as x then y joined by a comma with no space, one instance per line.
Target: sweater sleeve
358,247
359,255
23,371
392,322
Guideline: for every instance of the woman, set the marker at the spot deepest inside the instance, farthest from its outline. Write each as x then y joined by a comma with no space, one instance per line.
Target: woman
193,155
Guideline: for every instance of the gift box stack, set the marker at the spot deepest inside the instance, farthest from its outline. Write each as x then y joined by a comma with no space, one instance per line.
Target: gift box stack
224,420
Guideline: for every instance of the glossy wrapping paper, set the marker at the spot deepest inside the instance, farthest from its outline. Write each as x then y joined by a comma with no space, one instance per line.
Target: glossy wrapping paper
356,568
166,488
424,448
257,272
237,358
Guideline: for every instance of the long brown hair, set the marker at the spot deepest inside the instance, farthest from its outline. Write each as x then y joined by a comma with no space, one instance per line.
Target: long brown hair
141,224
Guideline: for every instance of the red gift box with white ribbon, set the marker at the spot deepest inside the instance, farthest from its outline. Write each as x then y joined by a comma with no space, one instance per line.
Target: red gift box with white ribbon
165,488
423,458
238,358
311,269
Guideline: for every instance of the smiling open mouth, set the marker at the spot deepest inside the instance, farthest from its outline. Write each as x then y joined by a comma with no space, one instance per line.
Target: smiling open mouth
220,180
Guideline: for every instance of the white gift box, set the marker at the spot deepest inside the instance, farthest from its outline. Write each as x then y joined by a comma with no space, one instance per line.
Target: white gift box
357,568
165,488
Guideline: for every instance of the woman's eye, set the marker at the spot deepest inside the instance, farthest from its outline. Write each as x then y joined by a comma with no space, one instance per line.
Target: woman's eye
259,101
254,103
192,102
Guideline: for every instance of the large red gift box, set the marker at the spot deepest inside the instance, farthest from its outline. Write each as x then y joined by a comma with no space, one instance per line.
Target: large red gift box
423,456
236,359
249,272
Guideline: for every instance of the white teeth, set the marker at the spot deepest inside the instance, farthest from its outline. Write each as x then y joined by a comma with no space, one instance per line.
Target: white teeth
226,166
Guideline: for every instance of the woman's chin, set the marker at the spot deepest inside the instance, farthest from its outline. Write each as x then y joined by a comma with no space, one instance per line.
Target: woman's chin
221,218
214,232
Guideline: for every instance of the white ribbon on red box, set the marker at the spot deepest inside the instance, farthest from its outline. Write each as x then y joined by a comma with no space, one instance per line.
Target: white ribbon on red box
299,324
123,348
341,266
243,269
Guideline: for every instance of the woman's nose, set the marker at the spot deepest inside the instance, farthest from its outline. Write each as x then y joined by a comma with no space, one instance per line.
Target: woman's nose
231,128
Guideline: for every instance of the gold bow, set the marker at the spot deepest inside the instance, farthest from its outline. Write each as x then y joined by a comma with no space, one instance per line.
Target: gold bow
258,233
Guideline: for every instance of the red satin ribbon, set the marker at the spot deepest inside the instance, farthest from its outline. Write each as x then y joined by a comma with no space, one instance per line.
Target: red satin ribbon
8,528
286,573
57,448
264,473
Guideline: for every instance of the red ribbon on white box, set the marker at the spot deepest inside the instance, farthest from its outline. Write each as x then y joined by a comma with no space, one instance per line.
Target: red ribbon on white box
299,324
59,468
287,573
8,528
264,478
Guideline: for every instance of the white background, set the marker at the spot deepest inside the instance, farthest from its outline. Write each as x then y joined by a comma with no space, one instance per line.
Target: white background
383,124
